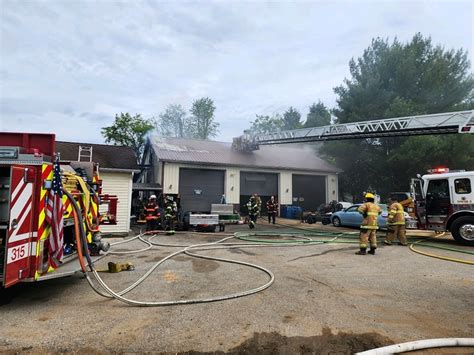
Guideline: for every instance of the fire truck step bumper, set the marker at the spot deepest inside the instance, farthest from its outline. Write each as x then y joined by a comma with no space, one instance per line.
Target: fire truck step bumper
69,267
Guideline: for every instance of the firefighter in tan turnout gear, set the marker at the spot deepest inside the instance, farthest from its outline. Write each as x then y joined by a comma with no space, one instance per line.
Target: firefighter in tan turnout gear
368,229
396,222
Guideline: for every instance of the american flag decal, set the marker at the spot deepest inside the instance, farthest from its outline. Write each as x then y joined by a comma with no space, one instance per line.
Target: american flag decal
54,217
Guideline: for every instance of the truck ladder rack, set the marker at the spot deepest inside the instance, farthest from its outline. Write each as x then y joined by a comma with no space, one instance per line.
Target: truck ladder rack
441,123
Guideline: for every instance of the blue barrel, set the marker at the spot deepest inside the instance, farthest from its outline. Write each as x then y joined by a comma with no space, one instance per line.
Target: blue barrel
296,212
284,211
290,212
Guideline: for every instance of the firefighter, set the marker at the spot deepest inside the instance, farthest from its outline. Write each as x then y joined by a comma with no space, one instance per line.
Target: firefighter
272,207
370,211
170,210
152,214
396,222
253,207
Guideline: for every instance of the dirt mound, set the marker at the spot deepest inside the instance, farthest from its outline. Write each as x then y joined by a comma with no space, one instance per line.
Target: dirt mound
327,343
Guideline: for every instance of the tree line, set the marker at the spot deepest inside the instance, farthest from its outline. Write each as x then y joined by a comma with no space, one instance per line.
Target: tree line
318,115
390,79
131,130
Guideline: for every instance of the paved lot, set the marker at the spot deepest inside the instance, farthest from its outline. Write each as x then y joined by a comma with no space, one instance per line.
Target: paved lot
324,299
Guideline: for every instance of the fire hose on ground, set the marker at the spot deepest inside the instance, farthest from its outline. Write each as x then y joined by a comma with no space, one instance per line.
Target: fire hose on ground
255,241
419,242
298,240
420,345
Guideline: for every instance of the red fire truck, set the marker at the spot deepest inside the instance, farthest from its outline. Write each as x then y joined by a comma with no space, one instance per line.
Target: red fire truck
26,173
444,201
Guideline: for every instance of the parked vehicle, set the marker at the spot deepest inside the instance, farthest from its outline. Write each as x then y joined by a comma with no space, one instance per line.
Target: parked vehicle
350,217
44,203
324,212
444,201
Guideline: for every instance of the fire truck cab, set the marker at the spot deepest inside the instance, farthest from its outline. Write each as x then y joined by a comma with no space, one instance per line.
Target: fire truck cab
444,201
26,173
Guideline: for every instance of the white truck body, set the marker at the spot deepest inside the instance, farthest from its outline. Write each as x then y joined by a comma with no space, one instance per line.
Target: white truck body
445,202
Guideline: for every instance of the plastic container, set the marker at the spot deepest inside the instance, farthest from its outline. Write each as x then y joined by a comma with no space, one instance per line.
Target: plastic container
296,212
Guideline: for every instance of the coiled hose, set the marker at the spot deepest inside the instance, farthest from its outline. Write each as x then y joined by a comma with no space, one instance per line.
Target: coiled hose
109,293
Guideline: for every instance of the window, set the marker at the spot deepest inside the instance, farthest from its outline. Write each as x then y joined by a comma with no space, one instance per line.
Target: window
438,189
352,209
462,186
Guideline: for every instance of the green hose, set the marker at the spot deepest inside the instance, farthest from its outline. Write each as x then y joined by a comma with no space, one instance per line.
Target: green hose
254,237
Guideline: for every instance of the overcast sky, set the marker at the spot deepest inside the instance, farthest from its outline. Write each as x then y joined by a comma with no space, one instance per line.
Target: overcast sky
68,67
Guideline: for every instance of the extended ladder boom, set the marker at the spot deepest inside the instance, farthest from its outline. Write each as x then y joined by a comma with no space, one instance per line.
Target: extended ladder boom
441,123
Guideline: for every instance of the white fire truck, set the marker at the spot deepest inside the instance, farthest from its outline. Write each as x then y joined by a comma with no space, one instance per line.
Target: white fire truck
444,201
26,173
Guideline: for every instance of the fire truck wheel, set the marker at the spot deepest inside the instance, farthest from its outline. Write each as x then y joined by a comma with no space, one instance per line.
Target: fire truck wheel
462,230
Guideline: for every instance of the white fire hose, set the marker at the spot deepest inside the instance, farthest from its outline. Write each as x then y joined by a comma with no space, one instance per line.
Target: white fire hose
420,345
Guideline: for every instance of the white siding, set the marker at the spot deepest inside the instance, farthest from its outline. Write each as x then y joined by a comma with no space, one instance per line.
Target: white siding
171,178
119,184
232,185
285,188
332,187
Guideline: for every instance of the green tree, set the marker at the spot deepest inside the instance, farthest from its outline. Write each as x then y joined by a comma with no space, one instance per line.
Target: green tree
129,131
266,124
393,80
174,123
202,124
291,119
318,115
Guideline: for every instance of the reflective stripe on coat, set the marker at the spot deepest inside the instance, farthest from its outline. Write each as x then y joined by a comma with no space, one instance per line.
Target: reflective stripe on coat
370,212
396,214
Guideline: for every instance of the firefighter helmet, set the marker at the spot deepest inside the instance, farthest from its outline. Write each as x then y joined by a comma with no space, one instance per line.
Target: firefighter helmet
153,197
370,195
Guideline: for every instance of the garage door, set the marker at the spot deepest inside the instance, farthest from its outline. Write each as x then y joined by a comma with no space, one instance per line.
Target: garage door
199,188
309,191
263,184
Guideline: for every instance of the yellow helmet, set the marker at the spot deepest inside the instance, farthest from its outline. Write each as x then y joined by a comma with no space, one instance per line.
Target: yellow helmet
369,195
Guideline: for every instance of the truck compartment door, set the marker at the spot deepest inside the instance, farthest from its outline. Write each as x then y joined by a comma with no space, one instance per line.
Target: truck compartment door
20,228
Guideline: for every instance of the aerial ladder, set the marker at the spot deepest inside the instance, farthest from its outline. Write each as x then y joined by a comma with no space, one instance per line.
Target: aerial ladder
440,123
444,201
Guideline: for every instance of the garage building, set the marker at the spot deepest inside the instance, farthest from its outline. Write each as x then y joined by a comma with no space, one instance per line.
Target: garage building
202,171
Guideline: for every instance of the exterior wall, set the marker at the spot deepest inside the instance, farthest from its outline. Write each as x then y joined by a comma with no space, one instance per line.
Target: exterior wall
332,188
119,184
285,191
171,177
232,185
232,180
